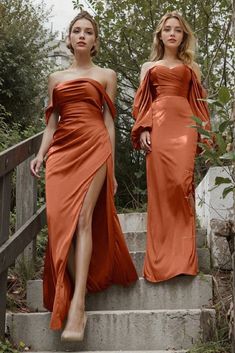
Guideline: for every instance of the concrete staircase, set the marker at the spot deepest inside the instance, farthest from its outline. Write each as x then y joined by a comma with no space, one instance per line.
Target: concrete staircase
166,317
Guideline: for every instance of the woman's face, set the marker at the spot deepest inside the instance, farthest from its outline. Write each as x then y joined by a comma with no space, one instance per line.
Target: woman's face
172,33
82,36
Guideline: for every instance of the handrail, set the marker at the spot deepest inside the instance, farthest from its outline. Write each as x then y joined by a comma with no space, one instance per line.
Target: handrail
29,221
13,156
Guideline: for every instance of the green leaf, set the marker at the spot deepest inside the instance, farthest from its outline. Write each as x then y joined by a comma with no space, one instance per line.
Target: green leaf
203,132
221,143
197,120
223,126
21,344
229,156
204,146
222,180
227,190
224,95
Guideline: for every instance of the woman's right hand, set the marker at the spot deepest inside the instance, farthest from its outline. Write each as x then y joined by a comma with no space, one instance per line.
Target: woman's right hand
35,166
145,141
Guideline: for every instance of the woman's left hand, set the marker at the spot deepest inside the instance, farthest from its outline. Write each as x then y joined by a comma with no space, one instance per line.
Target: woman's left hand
115,185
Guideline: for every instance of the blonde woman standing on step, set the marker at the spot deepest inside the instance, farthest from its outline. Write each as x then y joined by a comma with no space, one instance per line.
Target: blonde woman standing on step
168,96
86,248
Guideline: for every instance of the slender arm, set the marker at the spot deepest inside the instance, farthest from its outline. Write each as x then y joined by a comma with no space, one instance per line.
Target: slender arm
47,135
111,89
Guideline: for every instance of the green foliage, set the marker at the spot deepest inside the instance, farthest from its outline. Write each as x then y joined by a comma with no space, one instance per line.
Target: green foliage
41,243
126,37
24,64
25,270
220,154
7,347
212,347
14,133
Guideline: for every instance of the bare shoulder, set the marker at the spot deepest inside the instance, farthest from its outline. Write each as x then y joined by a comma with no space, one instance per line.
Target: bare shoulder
109,74
147,65
109,78
196,68
56,77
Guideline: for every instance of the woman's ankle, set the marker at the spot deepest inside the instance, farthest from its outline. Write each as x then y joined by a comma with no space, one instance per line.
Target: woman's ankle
78,305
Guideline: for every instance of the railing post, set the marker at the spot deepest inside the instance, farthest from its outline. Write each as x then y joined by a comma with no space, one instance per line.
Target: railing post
26,204
5,203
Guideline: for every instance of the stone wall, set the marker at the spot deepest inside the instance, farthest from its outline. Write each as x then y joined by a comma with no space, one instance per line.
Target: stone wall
211,205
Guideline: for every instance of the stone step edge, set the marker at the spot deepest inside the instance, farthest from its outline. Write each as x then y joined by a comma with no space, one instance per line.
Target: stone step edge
197,231
165,351
200,276
108,330
203,283
120,312
136,239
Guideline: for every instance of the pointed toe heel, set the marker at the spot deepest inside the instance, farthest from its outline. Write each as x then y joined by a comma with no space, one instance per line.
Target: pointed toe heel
74,336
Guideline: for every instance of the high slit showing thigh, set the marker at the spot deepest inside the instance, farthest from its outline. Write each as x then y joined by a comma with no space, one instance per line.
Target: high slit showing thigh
81,145
87,208
164,104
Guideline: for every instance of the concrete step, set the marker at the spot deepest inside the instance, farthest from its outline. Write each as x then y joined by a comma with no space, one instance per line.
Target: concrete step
136,241
133,222
181,292
137,222
118,330
168,351
203,260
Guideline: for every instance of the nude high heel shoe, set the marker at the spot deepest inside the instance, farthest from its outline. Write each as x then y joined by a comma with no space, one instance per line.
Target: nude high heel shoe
74,336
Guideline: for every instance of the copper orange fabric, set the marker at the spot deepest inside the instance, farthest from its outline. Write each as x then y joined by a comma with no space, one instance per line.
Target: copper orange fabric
80,146
164,104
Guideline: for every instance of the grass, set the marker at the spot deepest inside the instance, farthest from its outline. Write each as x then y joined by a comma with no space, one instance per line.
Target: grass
212,347
222,298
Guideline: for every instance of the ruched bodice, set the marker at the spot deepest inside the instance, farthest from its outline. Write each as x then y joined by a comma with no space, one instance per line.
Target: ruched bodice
80,104
80,146
69,96
170,82
164,105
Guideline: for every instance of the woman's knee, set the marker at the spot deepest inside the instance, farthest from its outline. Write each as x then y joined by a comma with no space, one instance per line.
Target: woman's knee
85,219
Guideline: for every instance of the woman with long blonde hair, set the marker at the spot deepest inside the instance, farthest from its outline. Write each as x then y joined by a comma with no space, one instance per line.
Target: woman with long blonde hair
168,96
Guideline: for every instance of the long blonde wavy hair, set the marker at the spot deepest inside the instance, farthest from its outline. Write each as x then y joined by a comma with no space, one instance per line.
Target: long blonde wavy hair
186,48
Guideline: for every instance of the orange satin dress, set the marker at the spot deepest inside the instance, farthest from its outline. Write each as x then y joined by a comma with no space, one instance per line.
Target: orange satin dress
80,146
164,104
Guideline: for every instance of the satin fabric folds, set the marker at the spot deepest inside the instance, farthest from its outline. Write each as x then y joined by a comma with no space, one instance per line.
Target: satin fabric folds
80,146
164,105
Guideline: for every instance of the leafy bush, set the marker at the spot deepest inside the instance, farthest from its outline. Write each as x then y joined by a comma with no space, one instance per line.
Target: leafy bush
221,153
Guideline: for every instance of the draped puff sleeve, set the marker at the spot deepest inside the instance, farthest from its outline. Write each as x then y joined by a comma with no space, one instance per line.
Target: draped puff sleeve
142,111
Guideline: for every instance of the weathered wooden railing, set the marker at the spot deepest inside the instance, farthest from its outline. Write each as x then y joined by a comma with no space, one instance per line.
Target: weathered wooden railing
29,221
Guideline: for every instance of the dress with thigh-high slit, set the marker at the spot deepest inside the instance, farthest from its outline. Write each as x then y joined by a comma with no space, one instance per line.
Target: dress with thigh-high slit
80,146
164,104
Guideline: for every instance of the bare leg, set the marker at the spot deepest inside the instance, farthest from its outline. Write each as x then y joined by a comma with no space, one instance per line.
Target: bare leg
83,250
